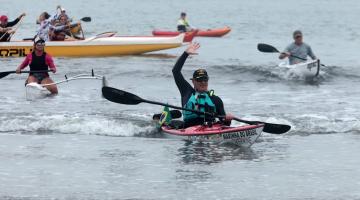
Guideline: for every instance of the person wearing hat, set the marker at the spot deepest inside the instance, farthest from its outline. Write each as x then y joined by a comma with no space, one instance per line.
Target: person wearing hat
6,27
298,48
39,60
183,24
197,97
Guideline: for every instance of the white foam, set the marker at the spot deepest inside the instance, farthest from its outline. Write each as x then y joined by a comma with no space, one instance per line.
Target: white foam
72,124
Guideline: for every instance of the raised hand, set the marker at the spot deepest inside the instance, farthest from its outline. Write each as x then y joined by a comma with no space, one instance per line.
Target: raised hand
192,48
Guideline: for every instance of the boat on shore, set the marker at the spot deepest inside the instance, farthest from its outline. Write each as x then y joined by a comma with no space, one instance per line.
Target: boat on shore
101,45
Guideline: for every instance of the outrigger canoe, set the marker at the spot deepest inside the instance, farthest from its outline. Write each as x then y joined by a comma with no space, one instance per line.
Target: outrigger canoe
35,91
97,46
219,32
244,136
307,69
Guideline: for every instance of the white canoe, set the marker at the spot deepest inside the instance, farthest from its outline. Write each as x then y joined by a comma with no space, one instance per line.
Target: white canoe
35,91
306,69
101,45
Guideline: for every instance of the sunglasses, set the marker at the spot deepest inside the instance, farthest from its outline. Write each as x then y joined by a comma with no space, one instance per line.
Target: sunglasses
202,79
298,36
40,44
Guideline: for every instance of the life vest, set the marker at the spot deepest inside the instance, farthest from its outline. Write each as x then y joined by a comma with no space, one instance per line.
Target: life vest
184,22
38,63
201,102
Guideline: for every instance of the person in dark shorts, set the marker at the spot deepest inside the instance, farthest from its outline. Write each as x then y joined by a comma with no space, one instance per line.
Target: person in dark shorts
39,60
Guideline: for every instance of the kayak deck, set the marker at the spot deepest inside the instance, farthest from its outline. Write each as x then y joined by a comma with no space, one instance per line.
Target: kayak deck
241,135
305,69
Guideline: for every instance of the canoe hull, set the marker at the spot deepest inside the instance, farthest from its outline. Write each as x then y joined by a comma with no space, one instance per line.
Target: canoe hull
35,91
244,136
100,47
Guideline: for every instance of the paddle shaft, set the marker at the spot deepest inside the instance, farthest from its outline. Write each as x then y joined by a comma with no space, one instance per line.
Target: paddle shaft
3,74
177,107
27,72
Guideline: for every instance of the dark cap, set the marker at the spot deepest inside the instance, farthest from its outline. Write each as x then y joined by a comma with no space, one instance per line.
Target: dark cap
39,41
200,74
297,33
183,14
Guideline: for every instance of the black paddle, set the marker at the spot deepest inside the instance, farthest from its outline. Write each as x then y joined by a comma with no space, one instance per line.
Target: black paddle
86,19
3,74
266,48
123,97
269,127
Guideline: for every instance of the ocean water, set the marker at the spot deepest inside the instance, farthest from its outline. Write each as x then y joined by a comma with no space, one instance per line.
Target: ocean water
78,145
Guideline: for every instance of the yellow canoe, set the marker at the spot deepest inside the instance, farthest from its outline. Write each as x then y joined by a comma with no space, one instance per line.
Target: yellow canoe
97,46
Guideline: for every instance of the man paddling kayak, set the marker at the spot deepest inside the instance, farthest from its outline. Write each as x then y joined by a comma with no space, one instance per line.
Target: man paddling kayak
197,97
39,60
183,24
297,49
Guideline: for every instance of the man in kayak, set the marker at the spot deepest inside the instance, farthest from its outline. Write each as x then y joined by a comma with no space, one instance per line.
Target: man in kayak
297,49
6,27
197,97
183,24
39,60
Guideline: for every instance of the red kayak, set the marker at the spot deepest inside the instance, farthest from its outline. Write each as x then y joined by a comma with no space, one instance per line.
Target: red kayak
189,36
240,135
219,32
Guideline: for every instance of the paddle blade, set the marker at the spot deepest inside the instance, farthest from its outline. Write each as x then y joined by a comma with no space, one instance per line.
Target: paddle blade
3,74
276,128
267,48
119,96
269,127
86,19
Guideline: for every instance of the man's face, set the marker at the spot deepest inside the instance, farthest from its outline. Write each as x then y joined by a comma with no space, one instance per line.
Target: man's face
298,39
201,84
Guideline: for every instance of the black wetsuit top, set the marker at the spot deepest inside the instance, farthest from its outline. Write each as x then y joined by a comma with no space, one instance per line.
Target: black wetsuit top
7,35
186,90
